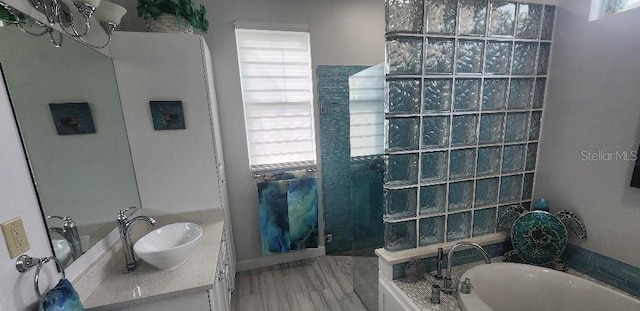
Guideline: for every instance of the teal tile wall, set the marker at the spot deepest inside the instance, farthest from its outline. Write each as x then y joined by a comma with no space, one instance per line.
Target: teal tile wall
613,272
350,186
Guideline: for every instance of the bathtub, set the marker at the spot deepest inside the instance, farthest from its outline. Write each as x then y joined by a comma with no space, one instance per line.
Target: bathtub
510,286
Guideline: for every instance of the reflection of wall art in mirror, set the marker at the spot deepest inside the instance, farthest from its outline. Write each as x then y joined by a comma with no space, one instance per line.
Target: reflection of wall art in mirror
72,118
167,115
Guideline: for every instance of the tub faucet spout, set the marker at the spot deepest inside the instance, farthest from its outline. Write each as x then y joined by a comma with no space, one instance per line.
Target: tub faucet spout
448,282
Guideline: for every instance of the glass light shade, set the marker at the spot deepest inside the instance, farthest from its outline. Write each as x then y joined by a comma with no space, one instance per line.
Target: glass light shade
110,12
93,3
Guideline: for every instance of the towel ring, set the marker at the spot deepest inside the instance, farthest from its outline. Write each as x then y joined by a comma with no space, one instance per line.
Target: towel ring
26,262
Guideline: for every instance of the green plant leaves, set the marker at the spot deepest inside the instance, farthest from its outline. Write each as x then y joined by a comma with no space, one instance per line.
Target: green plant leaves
182,9
6,16
155,12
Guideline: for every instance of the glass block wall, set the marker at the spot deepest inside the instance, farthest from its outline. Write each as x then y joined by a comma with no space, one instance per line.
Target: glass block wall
465,85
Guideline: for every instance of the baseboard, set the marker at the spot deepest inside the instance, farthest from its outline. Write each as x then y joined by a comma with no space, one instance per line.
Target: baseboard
278,259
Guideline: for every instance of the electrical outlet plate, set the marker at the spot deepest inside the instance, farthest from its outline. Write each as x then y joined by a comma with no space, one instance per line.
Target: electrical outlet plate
15,236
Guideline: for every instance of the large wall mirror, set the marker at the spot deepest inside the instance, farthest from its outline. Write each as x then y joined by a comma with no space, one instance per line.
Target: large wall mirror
67,107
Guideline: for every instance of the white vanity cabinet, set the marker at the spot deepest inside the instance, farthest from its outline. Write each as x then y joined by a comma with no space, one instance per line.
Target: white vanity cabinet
220,295
217,298
195,302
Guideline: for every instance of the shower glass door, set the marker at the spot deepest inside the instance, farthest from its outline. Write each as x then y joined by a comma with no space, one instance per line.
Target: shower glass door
366,131
351,146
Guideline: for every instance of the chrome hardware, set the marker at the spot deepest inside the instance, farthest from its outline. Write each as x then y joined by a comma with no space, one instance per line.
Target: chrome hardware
465,287
70,233
124,227
55,12
58,13
222,274
438,274
435,294
448,282
25,262
26,24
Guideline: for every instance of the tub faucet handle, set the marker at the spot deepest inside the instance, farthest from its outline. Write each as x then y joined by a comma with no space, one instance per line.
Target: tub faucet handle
438,274
435,294
448,285
465,287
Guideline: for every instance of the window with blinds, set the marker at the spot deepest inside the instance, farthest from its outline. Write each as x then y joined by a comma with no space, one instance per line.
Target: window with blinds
275,72
366,111
602,8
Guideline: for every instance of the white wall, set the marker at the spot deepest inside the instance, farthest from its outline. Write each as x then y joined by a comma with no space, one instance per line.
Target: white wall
175,169
593,104
342,33
18,200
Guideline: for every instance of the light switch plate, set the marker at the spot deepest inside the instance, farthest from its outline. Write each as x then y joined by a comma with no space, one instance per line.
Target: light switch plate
15,236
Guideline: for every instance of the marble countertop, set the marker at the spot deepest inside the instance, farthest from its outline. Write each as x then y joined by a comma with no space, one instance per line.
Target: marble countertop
148,283
419,292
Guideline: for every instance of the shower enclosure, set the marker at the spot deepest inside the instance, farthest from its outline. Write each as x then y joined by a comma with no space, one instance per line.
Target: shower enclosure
366,124
352,142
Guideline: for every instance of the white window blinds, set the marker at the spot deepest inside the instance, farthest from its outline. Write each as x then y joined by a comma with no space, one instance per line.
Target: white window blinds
601,8
366,111
275,71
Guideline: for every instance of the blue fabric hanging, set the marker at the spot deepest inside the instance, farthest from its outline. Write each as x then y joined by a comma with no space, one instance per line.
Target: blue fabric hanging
63,297
288,214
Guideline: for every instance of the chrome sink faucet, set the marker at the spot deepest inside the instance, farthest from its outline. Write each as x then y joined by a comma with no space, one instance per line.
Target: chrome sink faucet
69,232
124,226
448,282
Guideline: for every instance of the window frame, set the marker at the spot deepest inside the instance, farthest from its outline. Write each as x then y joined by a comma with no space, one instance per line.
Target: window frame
599,8
280,28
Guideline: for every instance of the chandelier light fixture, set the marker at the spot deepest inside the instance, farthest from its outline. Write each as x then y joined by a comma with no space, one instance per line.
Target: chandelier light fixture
11,16
107,14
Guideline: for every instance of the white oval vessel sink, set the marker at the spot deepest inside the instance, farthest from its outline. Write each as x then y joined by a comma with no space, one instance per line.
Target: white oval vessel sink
62,250
168,247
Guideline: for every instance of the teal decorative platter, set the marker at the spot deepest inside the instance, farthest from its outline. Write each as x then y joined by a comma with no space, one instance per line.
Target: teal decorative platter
539,237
